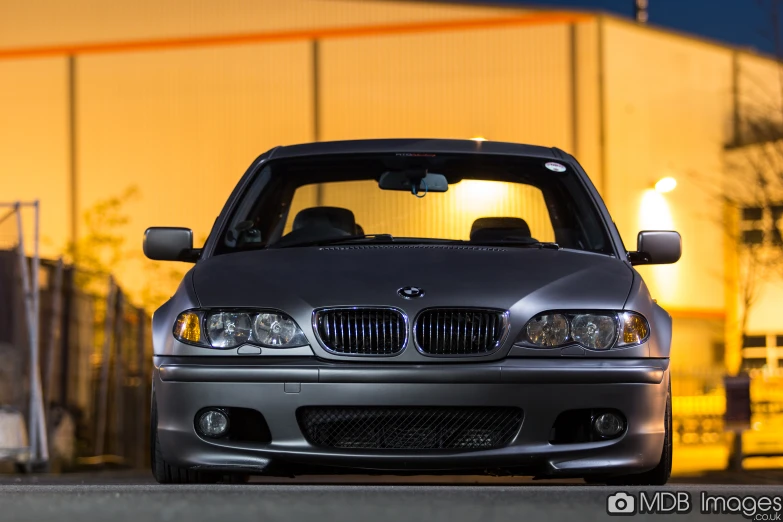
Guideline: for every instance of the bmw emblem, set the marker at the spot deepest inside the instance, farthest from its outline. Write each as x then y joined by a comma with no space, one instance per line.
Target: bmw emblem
410,292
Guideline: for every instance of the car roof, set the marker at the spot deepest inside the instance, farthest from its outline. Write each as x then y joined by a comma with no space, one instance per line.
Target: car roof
414,146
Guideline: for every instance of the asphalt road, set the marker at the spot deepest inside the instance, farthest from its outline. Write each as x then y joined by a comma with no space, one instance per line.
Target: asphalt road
84,498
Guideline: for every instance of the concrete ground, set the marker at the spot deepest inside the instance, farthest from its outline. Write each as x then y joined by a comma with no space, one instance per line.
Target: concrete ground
135,500
118,496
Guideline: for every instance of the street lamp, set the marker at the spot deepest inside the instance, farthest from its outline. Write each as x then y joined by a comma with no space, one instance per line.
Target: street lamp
640,11
664,185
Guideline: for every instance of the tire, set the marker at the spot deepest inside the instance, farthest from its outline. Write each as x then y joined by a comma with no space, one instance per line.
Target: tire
659,475
166,473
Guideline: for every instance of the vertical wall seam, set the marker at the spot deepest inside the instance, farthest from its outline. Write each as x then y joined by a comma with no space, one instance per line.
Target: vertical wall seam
316,63
574,93
72,150
602,111
316,51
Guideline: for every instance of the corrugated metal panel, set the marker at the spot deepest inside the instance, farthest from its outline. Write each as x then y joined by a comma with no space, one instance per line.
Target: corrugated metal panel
506,85
588,116
78,21
34,146
446,215
184,125
667,101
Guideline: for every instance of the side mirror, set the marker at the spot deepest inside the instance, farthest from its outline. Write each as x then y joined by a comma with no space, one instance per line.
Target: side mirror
170,244
656,247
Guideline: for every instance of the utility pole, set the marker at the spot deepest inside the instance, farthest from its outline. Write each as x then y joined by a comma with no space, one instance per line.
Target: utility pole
640,11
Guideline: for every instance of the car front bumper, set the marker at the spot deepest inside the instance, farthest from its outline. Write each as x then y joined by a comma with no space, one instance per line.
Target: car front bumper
542,388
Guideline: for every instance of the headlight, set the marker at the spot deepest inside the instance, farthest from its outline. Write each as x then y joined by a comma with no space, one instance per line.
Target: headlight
228,329
231,328
598,332
548,330
593,330
277,330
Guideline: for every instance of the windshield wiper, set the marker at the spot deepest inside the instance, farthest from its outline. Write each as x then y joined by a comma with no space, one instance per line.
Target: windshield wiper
335,240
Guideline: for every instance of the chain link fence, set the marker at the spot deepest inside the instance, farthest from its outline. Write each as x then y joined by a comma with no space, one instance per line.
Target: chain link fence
82,376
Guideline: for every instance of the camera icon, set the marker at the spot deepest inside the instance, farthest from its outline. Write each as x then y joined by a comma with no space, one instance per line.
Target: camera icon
621,503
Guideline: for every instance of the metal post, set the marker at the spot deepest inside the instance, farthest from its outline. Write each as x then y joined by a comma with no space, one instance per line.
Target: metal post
36,420
43,438
69,333
54,336
32,417
103,398
141,410
118,406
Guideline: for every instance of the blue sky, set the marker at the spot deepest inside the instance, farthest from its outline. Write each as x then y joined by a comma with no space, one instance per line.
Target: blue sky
745,23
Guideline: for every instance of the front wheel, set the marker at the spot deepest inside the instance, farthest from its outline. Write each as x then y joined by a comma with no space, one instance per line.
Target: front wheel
166,473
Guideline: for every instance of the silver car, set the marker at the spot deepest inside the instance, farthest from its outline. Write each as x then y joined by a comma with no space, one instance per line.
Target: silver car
412,306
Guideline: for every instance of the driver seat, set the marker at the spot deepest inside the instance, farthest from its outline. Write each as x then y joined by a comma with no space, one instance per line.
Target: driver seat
326,217
498,228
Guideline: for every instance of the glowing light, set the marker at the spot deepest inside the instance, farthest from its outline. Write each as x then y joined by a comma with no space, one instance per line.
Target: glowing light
654,213
479,138
663,280
479,195
666,184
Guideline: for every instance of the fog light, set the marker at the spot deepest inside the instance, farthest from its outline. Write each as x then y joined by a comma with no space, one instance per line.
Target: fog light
213,423
608,425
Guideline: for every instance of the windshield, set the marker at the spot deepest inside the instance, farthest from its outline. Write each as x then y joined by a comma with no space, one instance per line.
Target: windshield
391,198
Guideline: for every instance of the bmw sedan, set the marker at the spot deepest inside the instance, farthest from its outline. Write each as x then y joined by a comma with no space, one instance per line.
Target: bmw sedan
412,306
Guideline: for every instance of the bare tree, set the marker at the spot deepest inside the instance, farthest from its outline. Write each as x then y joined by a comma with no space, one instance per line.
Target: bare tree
752,190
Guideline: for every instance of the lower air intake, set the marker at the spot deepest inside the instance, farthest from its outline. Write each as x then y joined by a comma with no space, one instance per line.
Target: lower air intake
410,428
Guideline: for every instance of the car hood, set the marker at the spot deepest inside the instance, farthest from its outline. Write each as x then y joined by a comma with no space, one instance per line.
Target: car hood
525,280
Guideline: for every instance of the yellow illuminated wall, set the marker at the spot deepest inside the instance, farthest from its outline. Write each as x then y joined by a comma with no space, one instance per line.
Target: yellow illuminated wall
668,113
183,126
452,85
31,23
34,147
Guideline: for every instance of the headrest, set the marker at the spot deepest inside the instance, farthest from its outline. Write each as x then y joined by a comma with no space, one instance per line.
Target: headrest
498,227
333,217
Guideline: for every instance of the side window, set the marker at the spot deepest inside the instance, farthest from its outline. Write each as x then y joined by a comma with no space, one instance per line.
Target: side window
617,231
238,229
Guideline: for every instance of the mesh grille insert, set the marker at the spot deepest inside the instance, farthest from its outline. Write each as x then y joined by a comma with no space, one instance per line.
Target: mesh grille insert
459,331
362,331
410,427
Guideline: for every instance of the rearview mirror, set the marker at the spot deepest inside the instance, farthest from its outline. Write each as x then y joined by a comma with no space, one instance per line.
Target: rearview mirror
170,244
415,181
657,247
